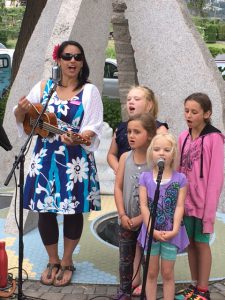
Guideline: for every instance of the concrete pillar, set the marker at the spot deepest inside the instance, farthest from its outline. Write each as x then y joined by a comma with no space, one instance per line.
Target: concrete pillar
127,71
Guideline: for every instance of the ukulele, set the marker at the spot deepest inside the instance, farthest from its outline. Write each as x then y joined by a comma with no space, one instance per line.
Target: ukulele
47,125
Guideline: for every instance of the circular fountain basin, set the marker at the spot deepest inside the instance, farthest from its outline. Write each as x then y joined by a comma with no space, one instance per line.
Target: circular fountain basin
105,228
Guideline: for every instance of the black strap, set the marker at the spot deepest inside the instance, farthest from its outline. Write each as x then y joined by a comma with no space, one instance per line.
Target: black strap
201,159
4,141
182,150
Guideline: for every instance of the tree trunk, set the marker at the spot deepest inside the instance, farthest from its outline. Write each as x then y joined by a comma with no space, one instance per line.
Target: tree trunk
31,16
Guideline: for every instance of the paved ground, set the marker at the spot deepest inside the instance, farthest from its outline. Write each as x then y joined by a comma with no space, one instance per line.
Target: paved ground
34,289
96,275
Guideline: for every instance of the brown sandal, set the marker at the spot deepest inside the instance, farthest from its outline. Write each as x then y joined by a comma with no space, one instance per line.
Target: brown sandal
60,275
50,268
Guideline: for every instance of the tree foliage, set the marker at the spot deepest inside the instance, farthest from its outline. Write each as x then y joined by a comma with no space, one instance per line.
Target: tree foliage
10,21
197,7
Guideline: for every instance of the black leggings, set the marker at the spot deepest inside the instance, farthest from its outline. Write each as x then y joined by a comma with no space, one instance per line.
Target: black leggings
49,229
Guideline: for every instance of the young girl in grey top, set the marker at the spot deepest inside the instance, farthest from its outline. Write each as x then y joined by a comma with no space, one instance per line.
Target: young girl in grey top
140,131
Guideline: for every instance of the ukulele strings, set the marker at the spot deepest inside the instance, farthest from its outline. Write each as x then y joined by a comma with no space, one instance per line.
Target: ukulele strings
55,130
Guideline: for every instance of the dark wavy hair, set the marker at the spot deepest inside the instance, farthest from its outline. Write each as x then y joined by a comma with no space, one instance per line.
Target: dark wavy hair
204,101
147,121
84,73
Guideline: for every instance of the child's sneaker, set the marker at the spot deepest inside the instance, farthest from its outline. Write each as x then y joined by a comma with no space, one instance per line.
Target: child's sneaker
197,295
121,296
185,293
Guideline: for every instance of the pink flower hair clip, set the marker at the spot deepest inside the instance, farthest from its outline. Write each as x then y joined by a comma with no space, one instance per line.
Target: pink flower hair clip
55,52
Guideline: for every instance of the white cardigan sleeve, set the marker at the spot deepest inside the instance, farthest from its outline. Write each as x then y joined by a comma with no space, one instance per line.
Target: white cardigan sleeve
34,96
93,114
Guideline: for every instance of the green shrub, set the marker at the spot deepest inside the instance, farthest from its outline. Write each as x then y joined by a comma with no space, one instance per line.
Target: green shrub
10,22
211,33
221,32
198,21
112,112
110,50
3,35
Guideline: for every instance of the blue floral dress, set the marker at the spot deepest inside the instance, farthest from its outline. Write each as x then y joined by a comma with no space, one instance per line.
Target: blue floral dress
62,179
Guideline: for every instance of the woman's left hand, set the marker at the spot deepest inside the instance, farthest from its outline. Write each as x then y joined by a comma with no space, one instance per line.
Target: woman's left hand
71,139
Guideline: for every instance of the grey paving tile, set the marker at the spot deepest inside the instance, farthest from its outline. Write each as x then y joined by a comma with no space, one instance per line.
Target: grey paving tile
111,290
27,284
67,289
44,288
50,296
101,297
219,286
78,289
75,297
56,289
89,290
217,296
35,294
35,286
101,290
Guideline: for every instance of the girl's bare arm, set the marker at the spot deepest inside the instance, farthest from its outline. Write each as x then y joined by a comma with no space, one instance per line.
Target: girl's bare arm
112,155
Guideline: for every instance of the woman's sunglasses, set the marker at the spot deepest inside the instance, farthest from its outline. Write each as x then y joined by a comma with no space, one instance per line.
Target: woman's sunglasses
69,56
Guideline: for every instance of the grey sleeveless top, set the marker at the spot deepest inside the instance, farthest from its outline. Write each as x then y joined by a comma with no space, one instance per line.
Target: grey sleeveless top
131,185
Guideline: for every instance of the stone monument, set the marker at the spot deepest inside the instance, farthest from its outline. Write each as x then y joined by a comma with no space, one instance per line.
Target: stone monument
173,63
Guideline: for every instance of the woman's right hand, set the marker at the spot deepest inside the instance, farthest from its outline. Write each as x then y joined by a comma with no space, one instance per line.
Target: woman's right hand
23,107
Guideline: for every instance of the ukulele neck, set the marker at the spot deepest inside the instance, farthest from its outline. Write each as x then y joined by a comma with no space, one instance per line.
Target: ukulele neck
46,126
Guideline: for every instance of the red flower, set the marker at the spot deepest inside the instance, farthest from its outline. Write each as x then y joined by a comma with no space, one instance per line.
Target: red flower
55,52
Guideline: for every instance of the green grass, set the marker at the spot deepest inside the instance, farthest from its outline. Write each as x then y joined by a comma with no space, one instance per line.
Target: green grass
217,45
216,48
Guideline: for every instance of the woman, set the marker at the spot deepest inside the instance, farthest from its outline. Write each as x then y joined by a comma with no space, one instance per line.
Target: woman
62,177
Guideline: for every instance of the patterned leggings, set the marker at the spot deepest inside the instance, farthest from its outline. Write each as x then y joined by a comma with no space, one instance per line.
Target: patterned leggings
127,247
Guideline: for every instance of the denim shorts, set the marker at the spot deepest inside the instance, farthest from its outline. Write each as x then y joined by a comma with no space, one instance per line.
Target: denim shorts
165,250
195,230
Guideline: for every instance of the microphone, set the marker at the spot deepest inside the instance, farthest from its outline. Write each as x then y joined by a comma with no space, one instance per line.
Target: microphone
56,74
160,164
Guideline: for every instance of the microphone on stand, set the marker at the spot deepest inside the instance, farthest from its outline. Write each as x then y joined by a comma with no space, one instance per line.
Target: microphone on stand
160,164
56,74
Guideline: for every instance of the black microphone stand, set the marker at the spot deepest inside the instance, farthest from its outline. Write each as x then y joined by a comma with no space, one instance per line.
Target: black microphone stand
19,164
152,217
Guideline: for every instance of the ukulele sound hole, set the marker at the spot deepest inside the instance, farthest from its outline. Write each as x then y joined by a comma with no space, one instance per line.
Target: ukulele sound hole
39,125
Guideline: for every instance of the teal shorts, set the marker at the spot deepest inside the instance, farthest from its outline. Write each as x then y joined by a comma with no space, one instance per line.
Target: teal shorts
194,230
165,250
